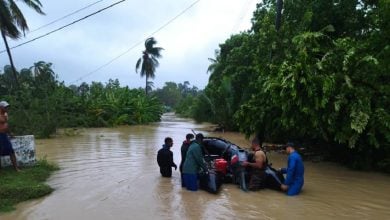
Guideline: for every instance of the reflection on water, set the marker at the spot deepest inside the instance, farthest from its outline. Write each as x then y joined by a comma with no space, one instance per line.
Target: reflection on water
113,174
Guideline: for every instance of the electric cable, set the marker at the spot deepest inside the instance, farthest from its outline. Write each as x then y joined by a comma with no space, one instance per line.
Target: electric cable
65,16
74,22
136,44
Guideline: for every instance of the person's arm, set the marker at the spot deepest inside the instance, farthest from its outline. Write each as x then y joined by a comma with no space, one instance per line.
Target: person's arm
159,159
183,151
172,164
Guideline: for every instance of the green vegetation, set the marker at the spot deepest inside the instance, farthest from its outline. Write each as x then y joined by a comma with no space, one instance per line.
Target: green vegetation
28,184
40,105
178,97
321,78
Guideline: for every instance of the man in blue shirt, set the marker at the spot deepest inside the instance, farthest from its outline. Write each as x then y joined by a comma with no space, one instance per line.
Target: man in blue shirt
295,171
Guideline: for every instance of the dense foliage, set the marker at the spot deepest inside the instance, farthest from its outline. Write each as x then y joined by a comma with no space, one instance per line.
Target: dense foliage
41,104
178,97
322,78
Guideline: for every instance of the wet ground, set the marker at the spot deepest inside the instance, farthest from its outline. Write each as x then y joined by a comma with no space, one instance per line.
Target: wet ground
111,173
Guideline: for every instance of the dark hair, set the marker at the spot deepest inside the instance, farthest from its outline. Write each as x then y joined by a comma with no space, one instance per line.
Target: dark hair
168,140
189,136
291,144
256,141
199,136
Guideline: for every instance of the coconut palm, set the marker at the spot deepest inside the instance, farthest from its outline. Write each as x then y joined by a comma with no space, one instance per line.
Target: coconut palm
13,23
148,62
149,86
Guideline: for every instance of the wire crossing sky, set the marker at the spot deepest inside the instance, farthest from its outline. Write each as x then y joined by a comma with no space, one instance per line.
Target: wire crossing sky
66,16
107,45
58,29
136,44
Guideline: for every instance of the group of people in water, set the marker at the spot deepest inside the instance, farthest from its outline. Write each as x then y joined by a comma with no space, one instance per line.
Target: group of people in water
192,162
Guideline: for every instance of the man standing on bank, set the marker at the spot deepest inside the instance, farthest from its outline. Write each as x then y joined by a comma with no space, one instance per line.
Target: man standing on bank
165,158
295,171
5,144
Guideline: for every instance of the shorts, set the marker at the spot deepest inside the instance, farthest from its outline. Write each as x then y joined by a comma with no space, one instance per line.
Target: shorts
166,171
5,145
190,181
257,180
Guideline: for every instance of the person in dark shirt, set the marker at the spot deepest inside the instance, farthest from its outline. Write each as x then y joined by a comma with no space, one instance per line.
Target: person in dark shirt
165,158
184,148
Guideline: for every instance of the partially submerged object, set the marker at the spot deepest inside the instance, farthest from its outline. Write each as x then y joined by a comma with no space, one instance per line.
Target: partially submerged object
224,159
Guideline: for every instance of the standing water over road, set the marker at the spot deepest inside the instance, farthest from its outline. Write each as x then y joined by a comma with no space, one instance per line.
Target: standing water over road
111,173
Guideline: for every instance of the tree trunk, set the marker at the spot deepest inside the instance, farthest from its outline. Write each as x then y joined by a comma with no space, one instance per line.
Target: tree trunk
10,57
146,84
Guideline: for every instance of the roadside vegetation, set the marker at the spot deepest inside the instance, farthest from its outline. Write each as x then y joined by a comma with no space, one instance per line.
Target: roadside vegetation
41,104
316,72
27,184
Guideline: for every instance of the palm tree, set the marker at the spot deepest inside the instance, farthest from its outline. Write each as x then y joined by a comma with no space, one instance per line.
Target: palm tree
149,86
12,22
149,61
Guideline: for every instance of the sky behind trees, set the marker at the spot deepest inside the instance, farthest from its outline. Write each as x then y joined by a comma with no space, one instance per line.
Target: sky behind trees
108,44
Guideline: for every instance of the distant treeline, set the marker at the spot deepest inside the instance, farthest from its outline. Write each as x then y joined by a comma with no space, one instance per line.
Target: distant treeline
316,72
40,104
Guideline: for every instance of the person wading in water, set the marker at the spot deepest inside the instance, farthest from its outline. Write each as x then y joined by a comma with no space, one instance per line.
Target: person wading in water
165,158
184,148
257,176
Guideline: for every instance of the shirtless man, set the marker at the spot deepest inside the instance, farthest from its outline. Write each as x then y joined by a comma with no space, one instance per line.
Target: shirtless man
257,164
5,144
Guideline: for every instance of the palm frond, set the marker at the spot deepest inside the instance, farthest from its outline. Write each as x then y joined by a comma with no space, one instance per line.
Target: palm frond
149,43
34,4
156,52
17,16
137,65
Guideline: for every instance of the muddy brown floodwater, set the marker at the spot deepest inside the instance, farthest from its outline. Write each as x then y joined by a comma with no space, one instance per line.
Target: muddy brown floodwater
111,173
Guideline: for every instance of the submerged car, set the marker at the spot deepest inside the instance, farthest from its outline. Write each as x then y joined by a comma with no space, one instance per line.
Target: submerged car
224,159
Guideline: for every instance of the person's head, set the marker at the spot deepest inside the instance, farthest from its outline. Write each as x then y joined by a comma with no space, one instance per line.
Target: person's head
168,141
189,136
199,138
4,105
256,143
290,147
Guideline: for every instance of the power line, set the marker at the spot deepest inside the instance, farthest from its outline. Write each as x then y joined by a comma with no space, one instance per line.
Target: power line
138,43
65,16
243,13
44,35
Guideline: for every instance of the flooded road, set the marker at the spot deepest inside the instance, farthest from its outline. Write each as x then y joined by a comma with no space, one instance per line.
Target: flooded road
112,173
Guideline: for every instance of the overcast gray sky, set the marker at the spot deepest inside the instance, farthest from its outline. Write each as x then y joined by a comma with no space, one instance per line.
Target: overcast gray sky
80,49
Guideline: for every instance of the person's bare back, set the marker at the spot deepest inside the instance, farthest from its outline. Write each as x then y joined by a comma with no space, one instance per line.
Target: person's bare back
3,122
